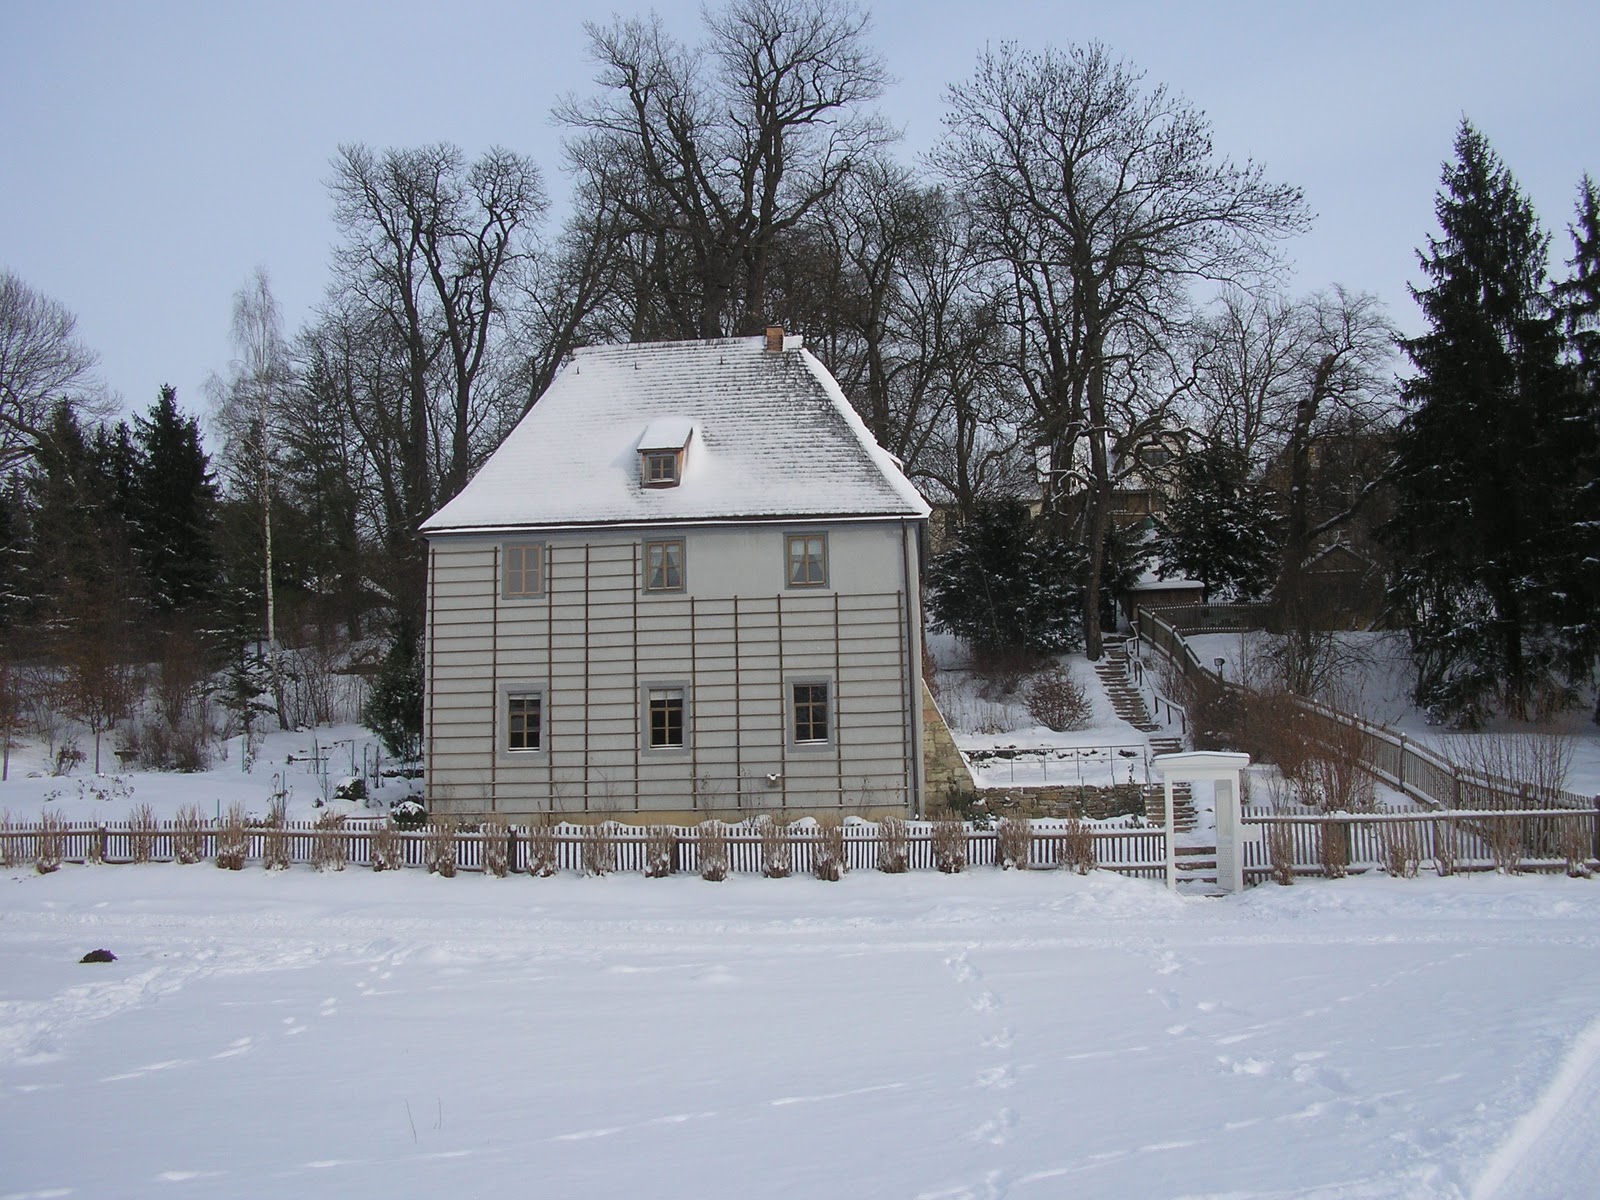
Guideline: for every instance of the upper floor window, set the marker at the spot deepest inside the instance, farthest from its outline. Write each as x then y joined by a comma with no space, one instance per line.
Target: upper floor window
663,565
810,711
523,569
660,468
661,451
524,720
666,718
807,558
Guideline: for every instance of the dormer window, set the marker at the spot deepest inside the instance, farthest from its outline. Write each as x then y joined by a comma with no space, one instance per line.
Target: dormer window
661,451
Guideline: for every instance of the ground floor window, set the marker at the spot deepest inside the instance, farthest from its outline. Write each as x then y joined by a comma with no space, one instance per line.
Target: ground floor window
810,712
666,718
524,714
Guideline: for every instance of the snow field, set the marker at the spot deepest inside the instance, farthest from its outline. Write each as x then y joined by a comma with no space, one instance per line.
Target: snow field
982,1035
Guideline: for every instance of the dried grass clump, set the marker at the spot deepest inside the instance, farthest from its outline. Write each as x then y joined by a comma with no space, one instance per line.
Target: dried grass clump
1280,852
1577,843
441,852
660,851
950,846
1058,701
1013,841
713,851
1399,849
894,855
1446,848
233,844
777,851
496,835
10,847
275,837
1505,844
1077,847
188,835
542,860
1338,776
599,850
388,847
1333,848
330,850
142,830
50,843
828,861
1534,764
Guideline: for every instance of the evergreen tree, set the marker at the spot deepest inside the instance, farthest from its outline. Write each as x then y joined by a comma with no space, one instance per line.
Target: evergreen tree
1005,587
174,507
1219,527
1484,453
394,707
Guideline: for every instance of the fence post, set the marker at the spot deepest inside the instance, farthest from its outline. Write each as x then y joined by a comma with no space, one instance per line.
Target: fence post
1400,766
1597,826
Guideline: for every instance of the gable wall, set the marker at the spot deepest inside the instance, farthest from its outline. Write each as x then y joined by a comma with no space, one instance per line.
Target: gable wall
734,640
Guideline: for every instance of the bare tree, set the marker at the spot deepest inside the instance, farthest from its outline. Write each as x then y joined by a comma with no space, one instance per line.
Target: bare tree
707,157
41,362
1105,202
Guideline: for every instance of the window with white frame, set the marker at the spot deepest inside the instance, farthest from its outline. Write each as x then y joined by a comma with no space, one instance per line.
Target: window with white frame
524,721
807,557
522,569
809,707
663,565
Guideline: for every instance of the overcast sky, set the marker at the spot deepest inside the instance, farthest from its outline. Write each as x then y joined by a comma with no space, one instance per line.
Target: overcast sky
154,153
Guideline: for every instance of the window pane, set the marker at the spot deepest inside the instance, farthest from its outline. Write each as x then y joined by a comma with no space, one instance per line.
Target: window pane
808,560
524,570
666,717
663,566
522,722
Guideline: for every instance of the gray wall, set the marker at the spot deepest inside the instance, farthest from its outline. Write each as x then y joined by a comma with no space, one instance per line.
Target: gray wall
734,640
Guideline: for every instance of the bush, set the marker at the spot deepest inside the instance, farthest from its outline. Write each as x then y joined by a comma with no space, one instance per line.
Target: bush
599,849
393,709
142,828
1013,842
10,847
388,850
1399,849
232,843
441,852
408,814
893,852
275,841
354,788
496,835
1446,847
713,851
1058,701
1077,848
1333,848
1280,852
660,851
828,863
542,860
50,844
1577,842
330,850
950,846
188,837
777,853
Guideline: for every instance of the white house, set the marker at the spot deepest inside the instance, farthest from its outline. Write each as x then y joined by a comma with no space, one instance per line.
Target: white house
686,585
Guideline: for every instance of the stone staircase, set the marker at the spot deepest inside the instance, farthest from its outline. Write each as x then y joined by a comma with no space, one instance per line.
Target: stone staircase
1129,705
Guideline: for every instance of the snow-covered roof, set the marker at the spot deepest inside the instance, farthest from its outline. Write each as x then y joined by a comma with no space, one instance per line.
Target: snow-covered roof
772,436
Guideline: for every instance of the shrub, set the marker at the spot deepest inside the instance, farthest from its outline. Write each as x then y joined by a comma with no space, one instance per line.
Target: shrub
330,850
232,843
950,846
1077,847
275,838
393,709
188,836
828,862
10,846
1013,840
1505,844
599,849
894,856
1280,852
408,814
660,851
542,860
441,850
1057,701
1577,841
142,829
388,848
50,844
713,851
496,835
1446,847
777,852
1399,849
1333,848
354,788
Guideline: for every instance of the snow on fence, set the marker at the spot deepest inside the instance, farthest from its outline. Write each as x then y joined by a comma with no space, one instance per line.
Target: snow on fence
1139,852
1312,842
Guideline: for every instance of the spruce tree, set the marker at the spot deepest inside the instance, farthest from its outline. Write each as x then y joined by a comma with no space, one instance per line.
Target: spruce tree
1481,461
174,507
1219,527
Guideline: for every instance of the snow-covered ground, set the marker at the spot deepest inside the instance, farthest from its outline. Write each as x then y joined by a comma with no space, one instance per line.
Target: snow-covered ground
983,1035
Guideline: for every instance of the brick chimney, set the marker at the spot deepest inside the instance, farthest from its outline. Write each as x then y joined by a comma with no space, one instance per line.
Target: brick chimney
774,339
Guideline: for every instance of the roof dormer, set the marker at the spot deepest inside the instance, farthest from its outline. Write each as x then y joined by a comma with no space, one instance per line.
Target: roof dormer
661,451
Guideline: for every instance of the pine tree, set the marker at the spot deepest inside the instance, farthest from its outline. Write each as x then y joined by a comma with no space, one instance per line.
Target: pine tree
174,507
1481,459
1219,527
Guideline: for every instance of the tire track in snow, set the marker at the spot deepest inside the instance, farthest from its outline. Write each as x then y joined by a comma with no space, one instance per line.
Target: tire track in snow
1553,1146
